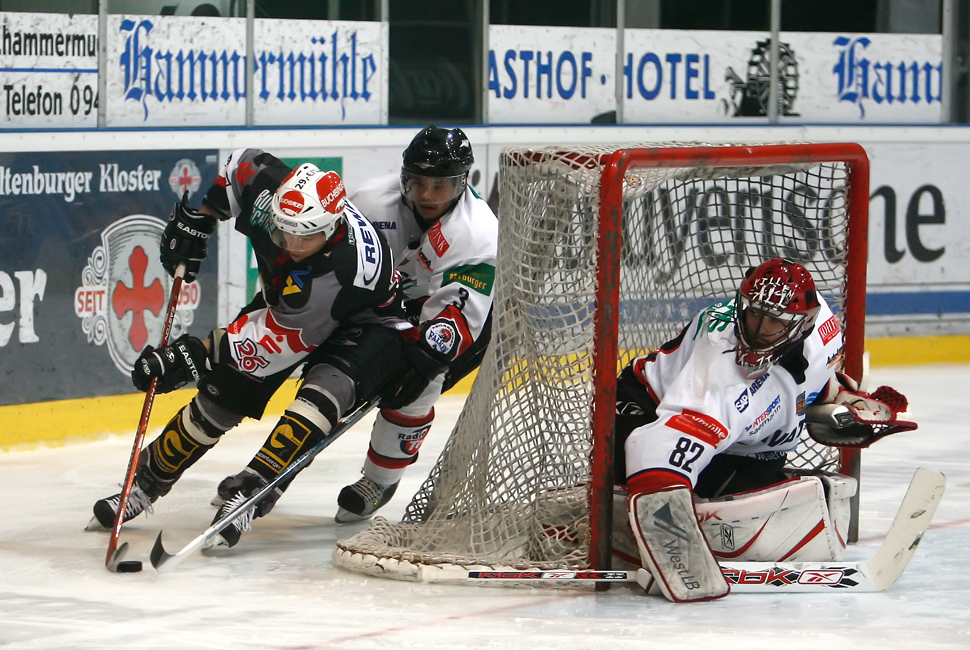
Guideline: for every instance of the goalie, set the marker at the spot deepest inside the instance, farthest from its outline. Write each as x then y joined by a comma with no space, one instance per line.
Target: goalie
704,425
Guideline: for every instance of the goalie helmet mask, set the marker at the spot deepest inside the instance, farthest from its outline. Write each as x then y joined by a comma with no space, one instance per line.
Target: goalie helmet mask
309,202
775,309
435,167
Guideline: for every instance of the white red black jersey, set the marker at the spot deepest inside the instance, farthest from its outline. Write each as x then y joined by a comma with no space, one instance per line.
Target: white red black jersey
302,302
708,406
448,269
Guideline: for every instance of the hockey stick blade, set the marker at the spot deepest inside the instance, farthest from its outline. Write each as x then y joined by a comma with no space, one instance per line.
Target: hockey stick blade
914,517
116,557
875,574
163,560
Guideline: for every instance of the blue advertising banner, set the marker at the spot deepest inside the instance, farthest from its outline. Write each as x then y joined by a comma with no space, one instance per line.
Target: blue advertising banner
82,290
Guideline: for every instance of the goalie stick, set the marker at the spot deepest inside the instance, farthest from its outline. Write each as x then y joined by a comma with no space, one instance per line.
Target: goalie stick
877,573
162,559
116,553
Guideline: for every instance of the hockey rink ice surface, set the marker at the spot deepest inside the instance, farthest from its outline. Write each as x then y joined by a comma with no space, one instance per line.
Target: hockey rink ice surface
279,589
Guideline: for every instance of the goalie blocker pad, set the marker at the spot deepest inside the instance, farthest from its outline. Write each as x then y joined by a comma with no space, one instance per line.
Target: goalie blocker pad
672,546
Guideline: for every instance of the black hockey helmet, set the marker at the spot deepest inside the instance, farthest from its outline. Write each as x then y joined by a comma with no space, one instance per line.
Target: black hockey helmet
435,172
439,152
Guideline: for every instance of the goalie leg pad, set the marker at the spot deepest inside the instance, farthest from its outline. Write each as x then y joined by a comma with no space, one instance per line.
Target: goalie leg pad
672,546
744,515
786,522
839,490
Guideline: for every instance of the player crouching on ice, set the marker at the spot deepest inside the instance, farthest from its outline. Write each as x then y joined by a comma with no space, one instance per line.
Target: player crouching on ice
704,424
330,300
444,239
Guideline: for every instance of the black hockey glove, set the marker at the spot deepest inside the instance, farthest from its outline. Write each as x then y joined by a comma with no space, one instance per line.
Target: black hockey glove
424,359
185,239
183,360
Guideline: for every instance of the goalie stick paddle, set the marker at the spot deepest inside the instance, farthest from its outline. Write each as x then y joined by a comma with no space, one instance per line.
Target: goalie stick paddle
162,560
877,573
115,553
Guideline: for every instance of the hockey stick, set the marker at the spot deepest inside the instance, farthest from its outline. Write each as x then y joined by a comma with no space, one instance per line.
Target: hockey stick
160,558
877,573
116,553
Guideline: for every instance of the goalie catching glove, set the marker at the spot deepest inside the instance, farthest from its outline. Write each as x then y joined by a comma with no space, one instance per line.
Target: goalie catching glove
848,417
185,239
424,359
174,365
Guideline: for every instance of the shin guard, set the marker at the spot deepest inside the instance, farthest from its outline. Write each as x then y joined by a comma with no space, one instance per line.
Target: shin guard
182,442
394,444
299,429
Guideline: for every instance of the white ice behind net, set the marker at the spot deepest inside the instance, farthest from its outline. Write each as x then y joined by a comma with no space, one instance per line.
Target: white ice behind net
509,487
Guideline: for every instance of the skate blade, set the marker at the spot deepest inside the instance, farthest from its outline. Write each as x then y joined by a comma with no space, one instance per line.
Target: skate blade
348,517
95,526
215,546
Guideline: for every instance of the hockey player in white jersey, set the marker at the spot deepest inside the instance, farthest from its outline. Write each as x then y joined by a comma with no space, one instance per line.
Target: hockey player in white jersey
330,302
715,411
444,239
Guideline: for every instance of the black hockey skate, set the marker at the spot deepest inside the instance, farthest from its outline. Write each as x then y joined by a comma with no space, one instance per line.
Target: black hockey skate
234,490
146,490
362,499
224,491
106,510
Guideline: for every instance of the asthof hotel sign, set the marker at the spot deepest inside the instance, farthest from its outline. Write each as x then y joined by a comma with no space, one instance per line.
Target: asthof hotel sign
566,75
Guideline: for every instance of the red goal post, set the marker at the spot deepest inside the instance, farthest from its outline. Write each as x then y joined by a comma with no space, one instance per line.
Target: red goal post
604,253
615,170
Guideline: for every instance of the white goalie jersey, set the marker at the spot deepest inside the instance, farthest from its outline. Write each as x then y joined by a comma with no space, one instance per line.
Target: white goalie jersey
708,406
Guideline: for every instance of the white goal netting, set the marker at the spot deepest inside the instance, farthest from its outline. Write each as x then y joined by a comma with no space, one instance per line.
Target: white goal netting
512,487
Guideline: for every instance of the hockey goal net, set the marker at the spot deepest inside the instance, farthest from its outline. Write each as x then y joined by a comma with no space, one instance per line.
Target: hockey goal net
605,253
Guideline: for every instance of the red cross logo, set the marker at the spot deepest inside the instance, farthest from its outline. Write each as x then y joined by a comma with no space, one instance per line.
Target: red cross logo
138,298
185,180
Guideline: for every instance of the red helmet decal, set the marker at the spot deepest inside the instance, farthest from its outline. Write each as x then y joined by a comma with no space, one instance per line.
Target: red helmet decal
332,193
292,202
